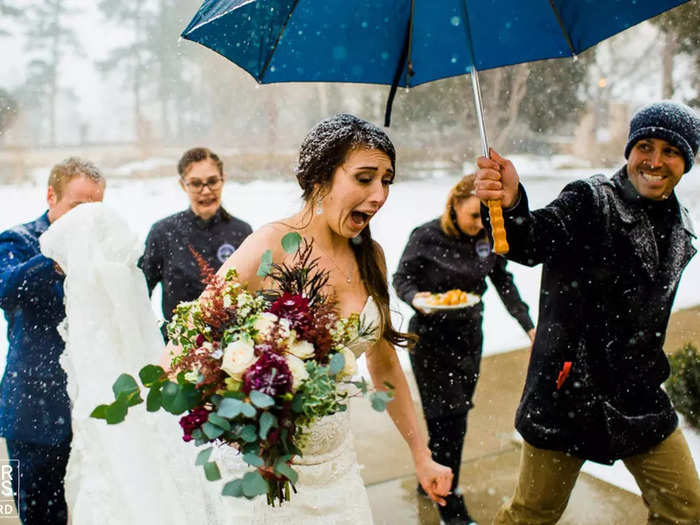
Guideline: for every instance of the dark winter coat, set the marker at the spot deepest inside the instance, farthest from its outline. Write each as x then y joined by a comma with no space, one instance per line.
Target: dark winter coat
448,354
611,265
34,404
168,260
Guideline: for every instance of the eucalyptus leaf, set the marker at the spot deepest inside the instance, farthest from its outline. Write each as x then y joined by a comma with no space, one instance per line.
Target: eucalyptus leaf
151,374
265,264
248,434
177,398
362,385
154,400
212,431
203,456
254,485
380,399
116,412
281,467
291,242
249,410
267,421
261,400
230,408
211,471
129,398
336,364
124,384
298,404
219,421
100,412
233,488
253,460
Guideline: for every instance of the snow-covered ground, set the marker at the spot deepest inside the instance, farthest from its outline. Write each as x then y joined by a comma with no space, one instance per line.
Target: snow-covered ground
410,204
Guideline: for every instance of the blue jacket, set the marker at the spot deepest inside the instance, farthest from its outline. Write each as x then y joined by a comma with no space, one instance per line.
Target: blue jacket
34,403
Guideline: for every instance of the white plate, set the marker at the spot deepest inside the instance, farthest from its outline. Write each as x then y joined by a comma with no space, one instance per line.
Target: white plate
424,303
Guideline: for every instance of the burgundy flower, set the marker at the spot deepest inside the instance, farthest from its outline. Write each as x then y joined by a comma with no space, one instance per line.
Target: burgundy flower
295,309
192,421
269,375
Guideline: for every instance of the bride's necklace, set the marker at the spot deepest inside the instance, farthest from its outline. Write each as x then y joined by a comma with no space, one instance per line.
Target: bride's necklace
348,276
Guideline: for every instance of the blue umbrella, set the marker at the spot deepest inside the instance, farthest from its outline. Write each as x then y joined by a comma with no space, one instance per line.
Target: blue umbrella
406,42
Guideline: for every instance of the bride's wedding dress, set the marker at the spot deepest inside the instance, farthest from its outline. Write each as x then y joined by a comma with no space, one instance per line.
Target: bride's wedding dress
141,471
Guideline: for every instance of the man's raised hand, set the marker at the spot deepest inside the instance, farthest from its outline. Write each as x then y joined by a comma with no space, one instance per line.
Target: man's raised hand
496,179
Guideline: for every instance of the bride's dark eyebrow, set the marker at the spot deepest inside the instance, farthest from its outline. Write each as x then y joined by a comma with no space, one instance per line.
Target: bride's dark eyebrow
372,168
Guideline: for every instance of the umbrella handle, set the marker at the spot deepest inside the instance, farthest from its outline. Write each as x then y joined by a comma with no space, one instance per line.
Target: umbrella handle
498,230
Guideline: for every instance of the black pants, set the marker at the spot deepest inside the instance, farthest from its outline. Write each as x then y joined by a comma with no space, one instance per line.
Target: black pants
446,439
40,498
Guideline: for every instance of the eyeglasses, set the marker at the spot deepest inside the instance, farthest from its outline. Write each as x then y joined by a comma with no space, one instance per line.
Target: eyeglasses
197,186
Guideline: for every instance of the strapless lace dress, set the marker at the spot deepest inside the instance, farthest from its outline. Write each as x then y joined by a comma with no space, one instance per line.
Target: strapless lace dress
329,490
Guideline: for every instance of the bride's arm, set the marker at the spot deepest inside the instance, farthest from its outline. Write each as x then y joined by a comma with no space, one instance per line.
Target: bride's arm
245,260
384,366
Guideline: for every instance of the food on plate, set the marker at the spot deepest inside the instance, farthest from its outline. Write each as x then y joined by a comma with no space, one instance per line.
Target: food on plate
448,298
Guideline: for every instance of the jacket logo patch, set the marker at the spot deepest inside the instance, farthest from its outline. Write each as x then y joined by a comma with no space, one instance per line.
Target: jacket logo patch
224,252
483,249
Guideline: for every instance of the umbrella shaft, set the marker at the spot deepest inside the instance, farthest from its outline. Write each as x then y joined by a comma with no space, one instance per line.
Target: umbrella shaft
476,90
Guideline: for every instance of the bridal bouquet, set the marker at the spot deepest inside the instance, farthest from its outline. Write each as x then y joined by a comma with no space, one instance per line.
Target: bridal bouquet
254,370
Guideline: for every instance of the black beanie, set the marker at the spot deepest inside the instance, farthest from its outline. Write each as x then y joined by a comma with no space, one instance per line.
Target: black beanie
673,122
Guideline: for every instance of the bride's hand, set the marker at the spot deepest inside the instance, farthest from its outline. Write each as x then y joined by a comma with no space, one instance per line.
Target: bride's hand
436,479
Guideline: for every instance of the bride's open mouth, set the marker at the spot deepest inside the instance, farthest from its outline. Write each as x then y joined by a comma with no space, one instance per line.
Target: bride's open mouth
360,218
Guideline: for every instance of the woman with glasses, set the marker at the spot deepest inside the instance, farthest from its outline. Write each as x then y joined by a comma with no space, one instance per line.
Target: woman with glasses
205,226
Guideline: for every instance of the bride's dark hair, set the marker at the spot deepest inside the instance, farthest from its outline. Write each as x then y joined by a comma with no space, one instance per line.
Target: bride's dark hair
325,148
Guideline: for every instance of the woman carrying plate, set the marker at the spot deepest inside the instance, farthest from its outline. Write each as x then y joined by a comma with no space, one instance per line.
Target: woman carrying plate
452,252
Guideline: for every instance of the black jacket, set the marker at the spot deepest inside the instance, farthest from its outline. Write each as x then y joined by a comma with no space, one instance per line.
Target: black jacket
167,258
447,357
611,265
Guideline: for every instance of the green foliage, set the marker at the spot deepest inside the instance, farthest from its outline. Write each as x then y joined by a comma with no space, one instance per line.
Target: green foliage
265,264
683,385
336,364
380,399
211,471
291,242
261,400
314,399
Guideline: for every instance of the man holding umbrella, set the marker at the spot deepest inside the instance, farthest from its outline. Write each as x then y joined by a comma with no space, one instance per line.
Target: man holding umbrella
612,251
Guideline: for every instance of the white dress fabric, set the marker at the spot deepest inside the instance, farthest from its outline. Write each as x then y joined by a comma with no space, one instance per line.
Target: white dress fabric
141,471
136,471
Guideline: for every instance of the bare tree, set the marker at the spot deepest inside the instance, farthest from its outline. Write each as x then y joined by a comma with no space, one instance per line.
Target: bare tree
49,40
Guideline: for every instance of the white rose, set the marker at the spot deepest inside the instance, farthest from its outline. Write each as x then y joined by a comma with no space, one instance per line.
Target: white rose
301,349
350,368
298,370
238,356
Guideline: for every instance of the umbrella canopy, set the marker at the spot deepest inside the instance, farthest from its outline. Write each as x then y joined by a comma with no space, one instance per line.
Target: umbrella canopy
407,42
364,40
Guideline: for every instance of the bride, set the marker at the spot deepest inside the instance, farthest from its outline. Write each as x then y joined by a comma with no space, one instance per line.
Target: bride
346,166
125,474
